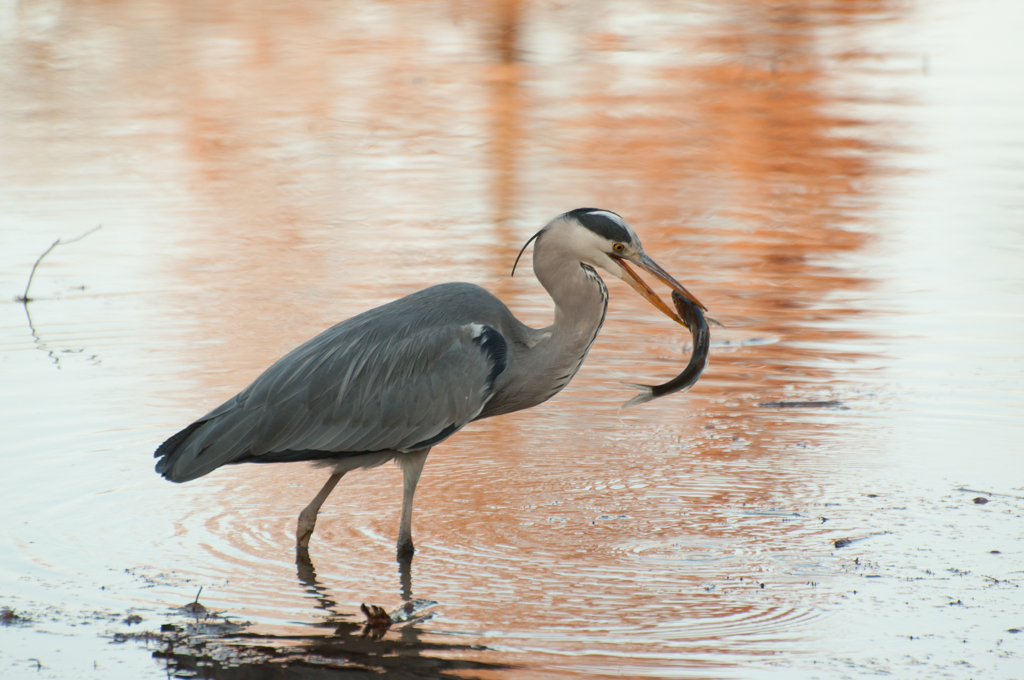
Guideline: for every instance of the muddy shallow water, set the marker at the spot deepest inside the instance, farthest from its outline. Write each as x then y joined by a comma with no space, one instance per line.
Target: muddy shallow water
841,184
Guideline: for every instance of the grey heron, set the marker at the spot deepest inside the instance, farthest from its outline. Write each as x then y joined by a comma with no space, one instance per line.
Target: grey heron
397,380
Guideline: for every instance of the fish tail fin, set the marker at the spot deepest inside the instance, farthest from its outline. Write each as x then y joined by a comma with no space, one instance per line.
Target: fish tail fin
646,394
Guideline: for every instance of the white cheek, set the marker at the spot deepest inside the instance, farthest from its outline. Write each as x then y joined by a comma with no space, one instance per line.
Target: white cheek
606,263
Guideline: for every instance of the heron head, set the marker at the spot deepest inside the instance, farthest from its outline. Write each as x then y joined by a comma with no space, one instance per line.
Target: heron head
601,238
616,245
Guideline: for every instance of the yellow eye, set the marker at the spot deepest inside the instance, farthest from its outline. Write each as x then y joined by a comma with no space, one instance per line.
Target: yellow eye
618,247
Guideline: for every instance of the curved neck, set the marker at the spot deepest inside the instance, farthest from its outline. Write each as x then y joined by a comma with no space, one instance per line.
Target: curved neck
581,300
554,354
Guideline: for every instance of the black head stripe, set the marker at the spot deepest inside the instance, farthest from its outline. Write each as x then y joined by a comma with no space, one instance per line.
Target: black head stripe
600,224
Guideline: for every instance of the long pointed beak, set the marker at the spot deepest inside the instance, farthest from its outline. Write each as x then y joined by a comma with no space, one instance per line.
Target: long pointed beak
645,291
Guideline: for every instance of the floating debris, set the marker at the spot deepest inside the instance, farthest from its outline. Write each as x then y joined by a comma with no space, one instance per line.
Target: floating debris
803,404
378,621
843,542
413,611
9,617
749,342
990,493
194,608
141,636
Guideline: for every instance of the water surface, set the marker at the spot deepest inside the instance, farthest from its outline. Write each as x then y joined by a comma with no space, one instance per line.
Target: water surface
841,184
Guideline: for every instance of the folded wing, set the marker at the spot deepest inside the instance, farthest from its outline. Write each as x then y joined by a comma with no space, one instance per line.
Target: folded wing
364,385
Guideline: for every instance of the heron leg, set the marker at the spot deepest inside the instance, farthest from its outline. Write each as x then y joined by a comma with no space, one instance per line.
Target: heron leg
307,518
411,465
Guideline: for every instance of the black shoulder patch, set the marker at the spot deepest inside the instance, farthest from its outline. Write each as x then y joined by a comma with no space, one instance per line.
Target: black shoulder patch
495,349
600,224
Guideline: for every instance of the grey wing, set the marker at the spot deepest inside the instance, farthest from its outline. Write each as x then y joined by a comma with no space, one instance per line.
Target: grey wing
349,390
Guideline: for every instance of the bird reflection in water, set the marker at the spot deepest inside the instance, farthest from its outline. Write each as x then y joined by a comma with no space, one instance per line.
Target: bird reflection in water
346,648
378,620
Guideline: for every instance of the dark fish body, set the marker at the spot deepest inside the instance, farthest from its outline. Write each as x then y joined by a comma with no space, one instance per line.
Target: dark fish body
698,325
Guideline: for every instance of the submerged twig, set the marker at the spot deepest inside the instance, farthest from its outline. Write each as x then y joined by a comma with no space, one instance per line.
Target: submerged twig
195,609
24,298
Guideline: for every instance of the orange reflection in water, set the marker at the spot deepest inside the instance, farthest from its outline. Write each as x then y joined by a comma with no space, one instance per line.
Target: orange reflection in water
736,171
336,156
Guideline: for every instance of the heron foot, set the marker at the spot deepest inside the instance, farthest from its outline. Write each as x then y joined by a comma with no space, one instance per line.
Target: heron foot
406,549
304,567
304,530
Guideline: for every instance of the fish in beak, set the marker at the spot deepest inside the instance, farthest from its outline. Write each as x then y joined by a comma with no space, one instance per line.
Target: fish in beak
645,291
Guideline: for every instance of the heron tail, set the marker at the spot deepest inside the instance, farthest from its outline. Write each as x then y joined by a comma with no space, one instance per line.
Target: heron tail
218,439
169,452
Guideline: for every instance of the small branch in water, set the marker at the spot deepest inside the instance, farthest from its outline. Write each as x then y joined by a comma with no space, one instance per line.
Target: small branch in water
997,581
990,493
25,299
194,608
